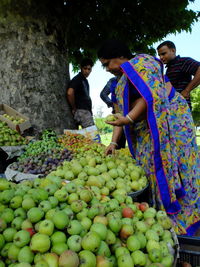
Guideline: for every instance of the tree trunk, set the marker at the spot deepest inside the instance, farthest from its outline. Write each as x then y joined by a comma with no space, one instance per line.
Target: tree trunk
34,70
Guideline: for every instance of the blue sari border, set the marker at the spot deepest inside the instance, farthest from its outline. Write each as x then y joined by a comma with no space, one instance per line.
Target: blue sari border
145,92
191,230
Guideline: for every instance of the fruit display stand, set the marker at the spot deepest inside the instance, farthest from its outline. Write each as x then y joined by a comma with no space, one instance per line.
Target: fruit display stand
189,250
14,119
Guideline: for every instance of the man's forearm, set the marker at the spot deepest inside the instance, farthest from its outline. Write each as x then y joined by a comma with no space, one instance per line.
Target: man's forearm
71,98
195,81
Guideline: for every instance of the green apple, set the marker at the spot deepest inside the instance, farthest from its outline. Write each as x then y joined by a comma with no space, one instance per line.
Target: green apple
60,220
7,215
103,250
86,223
68,259
75,227
121,251
87,259
28,203
21,238
46,227
114,224
16,202
100,229
72,197
17,223
133,243
9,233
13,252
142,239
74,243
155,255
40,243
45,205
35,214
139,258
54,201
61,194
76,206
125,261
91,241
25,255
26,224
59,248
2,241
57,237
151,235
51,259
71,187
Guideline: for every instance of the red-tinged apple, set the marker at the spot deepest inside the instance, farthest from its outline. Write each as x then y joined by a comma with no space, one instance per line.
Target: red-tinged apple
126,231
31,231
102,261
143,206
69,259
87,259
40,243
125,261
91,241
74,243
127,212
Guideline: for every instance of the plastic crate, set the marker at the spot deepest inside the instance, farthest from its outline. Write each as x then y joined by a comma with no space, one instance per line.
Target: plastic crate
189,251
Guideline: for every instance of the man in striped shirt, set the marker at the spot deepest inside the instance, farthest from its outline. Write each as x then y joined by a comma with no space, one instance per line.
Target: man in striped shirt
183,72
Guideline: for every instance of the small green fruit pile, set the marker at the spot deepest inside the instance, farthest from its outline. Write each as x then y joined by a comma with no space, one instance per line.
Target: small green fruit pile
47,223
9,137
105,175
15,120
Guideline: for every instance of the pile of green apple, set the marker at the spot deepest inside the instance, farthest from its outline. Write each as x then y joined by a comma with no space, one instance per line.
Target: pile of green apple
9,137
48,223
105,175
15,120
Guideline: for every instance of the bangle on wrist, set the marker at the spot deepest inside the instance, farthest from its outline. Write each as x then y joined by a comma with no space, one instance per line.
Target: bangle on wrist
129,118
114,143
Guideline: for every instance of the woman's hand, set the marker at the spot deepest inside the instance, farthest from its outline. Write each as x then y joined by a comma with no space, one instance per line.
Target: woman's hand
120,120
110,149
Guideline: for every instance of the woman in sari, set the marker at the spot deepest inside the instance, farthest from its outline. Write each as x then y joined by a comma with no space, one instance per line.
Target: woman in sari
160,133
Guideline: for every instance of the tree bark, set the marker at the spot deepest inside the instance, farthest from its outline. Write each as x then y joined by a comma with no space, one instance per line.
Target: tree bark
34,68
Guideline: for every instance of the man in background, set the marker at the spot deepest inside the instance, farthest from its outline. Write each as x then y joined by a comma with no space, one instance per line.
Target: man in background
183,72
78,95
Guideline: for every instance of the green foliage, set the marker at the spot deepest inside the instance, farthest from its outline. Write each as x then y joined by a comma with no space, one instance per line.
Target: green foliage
81,26
102,126
195,97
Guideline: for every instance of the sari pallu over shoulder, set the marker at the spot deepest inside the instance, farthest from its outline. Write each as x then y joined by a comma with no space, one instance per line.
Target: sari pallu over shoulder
145,73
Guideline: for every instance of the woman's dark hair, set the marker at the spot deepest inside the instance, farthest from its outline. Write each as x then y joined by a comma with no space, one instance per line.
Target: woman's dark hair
113,49
87,62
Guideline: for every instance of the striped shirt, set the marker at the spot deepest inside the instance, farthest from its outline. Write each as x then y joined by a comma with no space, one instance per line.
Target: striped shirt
180,71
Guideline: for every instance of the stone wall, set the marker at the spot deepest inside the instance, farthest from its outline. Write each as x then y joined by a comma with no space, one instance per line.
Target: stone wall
34,73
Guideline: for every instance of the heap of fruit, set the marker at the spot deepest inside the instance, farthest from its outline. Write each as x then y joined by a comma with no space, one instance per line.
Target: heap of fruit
42,156
46,223
74,141
9,137
15,120
107,175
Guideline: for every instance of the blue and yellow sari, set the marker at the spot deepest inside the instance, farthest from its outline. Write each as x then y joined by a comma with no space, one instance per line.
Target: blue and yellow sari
164,144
